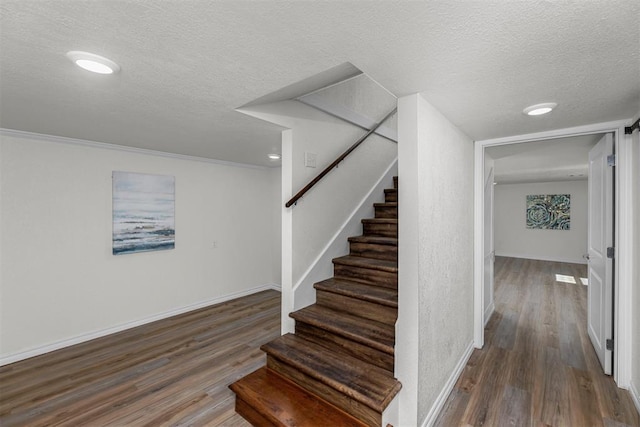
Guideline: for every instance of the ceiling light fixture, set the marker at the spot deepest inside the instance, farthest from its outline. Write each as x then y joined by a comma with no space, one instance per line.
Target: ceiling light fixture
274,156
92,62
539,109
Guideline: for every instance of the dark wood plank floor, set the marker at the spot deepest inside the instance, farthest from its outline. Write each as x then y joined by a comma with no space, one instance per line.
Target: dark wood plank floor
538,367
170,372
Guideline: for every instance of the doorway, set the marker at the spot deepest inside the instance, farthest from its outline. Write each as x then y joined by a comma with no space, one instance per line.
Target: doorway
547,210
621,311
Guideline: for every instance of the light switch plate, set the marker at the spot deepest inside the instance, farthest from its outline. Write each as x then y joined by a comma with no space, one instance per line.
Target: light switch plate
310,159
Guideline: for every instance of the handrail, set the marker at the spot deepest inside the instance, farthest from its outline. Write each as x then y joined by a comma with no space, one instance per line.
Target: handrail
335,163
629,129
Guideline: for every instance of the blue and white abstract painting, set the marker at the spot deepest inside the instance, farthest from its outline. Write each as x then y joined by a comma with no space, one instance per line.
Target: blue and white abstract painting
143,212
549,211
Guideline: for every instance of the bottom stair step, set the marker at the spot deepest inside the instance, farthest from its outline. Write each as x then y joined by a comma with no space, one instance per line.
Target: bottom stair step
265,398
360,388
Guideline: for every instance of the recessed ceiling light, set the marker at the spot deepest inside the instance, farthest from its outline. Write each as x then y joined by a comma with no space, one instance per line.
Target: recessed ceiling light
274,156
539,109
92,62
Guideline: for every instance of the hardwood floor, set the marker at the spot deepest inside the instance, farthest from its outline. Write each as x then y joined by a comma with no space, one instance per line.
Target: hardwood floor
170,372
538,367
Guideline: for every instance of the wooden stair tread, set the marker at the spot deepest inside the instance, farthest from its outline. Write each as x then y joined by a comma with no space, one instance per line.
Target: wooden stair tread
338,367
375,294
380,220
377,240
368,332
386,204
283,403
372,263
368,384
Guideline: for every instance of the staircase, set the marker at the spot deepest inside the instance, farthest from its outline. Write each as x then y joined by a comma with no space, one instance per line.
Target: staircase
337,369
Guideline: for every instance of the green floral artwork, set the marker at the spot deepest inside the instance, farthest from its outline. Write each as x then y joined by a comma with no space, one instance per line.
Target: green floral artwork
549,212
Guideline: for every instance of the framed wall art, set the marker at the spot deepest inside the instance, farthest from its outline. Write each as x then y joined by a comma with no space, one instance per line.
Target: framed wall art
143,212
549,211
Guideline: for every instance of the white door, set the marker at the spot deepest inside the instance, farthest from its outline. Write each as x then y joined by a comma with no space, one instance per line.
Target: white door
600,267
489,252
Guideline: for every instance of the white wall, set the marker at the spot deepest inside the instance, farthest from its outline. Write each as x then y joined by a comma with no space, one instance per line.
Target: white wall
635,324
59,281
435,326
323,211
512,238
276,224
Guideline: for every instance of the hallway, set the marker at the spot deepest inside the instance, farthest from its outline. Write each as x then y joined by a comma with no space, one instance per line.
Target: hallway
538,366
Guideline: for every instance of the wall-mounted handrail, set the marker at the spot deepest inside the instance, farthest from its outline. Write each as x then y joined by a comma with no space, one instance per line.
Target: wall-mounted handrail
335,163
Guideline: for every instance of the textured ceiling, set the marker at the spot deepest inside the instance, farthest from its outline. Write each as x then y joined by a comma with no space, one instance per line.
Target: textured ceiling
187,65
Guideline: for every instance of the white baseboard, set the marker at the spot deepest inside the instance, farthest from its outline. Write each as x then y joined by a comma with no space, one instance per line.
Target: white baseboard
544,258
273,286
635,396
37,351
448,387
488,312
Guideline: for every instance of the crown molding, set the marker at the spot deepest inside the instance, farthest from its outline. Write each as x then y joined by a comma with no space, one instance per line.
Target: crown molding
115,147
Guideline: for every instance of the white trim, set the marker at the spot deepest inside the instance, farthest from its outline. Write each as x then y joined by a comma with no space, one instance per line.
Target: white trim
489,312
635,396
37,351
287,324
106,146
273,286
624,260
544,258
348,115
448,387
478,247
558,133
334,247
391,414
623,308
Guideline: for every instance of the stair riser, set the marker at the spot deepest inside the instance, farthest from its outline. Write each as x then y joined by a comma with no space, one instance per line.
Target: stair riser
366,275
377,229
254,417
391,196
386,211
343,345
368,310
373,250
341,355
362,412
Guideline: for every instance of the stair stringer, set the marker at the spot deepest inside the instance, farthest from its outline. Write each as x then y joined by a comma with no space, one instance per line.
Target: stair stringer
322,267
391,415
